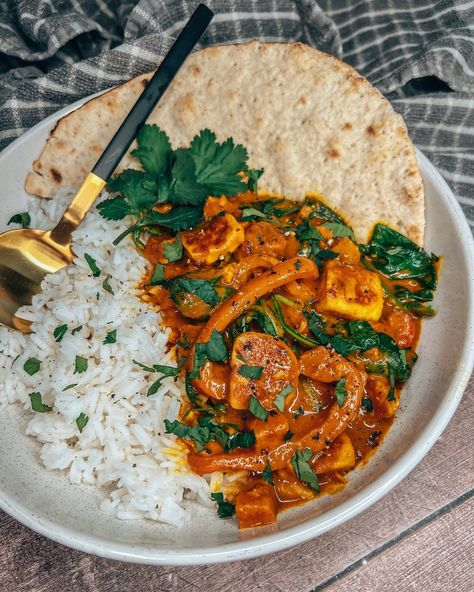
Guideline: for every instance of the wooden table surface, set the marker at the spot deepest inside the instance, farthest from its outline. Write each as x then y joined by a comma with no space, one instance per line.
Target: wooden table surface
420,537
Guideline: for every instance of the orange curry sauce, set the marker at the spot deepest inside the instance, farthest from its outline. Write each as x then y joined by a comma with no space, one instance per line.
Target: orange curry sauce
234,252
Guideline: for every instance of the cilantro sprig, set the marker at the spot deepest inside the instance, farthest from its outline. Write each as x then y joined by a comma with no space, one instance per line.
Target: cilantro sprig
183,178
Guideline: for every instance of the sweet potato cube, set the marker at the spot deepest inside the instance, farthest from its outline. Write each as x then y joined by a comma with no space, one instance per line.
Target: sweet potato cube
219,236
270,433
339,457
352,292
378,388
256,506
289,488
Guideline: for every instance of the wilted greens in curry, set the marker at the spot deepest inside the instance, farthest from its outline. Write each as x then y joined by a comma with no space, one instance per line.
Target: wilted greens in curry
293,340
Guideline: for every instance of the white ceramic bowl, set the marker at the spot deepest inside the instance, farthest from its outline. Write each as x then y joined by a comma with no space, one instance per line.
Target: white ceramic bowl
69,514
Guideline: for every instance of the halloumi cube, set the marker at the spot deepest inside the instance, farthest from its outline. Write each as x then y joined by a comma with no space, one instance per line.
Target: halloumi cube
218,237
351,292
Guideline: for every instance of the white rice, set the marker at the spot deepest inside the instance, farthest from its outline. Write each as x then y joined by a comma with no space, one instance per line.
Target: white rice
123,450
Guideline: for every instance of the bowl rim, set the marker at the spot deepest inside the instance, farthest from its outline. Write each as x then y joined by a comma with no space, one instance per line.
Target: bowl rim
280,540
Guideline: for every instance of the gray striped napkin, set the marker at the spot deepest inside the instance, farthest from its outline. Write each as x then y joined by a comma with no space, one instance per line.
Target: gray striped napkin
419,53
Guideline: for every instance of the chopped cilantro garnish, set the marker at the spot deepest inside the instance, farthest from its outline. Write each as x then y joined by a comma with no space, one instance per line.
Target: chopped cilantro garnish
340,392
81,421
339,230
59,332
111,337
76,329
303,470
279,401
224,509
158,275
37,404
252,372
208,429
91,262
23,218
256,409
367,405
166,372
80,365
107,286
31,366
214,350
173,251
69,386
267,473
203,289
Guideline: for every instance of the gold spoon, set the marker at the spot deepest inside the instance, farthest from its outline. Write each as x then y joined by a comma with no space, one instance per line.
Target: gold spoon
27,255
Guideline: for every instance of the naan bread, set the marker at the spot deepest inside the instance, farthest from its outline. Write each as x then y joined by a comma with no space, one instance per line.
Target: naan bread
308,119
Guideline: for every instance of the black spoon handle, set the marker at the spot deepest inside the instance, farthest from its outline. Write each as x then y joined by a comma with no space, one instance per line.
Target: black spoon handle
153,92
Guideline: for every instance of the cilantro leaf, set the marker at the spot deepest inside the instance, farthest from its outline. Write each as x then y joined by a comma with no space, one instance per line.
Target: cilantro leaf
31,366
339,230
279,401
115,208
256,409
322,211
254,175
69,386
224,509
82,421
106,285
137,193
173,251
178,218
76,329
23,218
111,337
80,365
252,372
340,392
249,214
215,350
37,404
267,473
166,372
367,405
240,440
158,275
203,289
303,470
91,262
59,332
154,149
218,165
186,188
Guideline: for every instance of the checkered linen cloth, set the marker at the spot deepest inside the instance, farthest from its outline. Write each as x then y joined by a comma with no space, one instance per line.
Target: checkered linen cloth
419,53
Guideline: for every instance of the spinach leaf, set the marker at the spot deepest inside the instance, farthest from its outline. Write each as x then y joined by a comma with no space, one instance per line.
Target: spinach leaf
398,258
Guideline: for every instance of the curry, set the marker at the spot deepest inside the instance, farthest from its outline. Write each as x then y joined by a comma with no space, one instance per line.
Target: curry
293,340
276,319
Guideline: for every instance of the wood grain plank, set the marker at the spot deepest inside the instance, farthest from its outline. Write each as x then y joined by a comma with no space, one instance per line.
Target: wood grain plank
437,557
29,562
